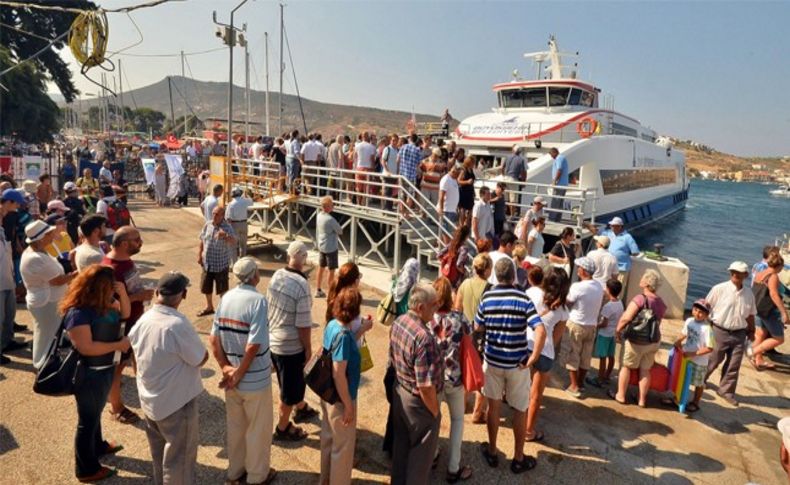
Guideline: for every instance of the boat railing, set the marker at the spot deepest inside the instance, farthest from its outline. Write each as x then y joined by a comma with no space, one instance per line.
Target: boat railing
261,177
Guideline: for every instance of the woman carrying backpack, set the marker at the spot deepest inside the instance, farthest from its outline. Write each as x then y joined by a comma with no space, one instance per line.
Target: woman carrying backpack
640,348
455,256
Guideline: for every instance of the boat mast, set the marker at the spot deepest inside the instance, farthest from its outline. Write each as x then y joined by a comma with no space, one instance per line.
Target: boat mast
247,90
120,92
184,85
282,67
266,55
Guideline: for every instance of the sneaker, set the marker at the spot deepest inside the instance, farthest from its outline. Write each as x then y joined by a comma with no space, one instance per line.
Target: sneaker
319,293
575,393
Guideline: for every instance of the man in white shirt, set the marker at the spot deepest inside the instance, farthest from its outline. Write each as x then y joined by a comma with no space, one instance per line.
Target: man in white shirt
584,300
483,216
364,158
311,152
257,149
236,214
732,317
169,356
105,174
449,195
605,262
90,251
211,202
506,243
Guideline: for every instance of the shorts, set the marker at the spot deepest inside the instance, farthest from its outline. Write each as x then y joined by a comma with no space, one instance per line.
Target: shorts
582,339
698,374
214,280
290,377
772,324
513,383
604,347
328,260
543,364
637,356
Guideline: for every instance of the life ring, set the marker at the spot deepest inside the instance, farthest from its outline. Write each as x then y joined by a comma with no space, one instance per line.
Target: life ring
586,127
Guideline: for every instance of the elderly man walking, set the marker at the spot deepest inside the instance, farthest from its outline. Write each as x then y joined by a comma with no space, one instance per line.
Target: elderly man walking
584,299
420,379
622,245
169,357
240,343
290,324
328,231
504,314
216,240
606,266
732,316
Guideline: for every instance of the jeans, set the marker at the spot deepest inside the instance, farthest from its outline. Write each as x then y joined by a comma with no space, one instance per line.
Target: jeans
45,326
454,397
293,169
7,316
91,396
557,203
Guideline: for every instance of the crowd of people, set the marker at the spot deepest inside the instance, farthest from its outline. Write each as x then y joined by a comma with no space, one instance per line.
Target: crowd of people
524,313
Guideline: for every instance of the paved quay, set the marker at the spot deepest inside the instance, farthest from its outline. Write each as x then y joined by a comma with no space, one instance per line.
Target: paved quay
591,441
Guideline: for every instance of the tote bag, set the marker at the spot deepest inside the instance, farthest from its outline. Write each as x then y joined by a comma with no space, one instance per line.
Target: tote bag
366,360
471,367
62,371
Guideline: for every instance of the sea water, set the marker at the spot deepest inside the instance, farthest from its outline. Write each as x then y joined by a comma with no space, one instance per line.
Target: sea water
723,222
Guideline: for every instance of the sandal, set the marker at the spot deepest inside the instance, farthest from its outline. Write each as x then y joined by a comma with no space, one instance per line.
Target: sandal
206,311
104,472
112,448
692,407
126,416
612,394
479,418
305,414
464,473
537,438
527,463
492,460
290,433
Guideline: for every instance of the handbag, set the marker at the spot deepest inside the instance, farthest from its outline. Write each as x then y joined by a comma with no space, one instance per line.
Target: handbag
565,266
643,329
62,371
764,306
318,372
385,313
472,374
366,360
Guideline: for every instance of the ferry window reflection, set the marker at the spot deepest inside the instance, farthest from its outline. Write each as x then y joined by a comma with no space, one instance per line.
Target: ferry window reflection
558,96
616,181
587,99
575,97
523,98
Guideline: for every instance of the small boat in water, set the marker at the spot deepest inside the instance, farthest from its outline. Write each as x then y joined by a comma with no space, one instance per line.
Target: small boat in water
782,191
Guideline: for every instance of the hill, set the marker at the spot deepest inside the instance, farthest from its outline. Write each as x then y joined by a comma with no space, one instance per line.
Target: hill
703,158
209,100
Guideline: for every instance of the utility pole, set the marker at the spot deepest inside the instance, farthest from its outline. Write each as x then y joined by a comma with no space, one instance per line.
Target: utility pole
172,113
247,90
120,90
266,48
282,67
184,85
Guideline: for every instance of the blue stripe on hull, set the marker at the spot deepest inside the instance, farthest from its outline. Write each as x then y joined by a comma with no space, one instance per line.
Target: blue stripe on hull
651,211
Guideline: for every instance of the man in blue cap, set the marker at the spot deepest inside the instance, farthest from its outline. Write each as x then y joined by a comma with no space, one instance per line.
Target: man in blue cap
622,245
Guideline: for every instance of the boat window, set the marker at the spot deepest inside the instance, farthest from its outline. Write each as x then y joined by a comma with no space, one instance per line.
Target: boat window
616,181
618,129
575,97
523,98
558,96
587,99
534,97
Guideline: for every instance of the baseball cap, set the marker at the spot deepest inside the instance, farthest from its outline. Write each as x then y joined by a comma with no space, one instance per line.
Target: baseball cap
296,247
172,283
739,267
69,187
53,219
244,267
784,427
616,221
702,304
604,240
586,264
236,192
12,195
539,200
57,205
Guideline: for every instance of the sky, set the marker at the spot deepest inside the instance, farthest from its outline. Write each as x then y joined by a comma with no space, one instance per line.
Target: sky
713,72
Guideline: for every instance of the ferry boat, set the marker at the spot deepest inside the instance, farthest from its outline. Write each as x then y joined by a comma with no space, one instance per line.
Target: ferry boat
636,174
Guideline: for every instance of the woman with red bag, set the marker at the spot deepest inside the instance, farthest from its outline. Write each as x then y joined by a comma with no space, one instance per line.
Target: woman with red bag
448,328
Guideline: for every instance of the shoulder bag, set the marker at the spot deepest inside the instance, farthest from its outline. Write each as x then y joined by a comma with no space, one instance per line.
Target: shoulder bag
644,328
764,306
318,372
61,372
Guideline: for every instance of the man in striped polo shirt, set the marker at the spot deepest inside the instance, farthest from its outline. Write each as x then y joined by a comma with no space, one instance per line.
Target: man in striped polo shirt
504,314
240,343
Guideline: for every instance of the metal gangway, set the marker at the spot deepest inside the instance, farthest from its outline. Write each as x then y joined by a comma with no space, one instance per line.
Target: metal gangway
385,218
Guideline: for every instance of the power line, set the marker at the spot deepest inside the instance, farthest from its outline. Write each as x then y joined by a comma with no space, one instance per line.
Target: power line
25,32
197,53
128,9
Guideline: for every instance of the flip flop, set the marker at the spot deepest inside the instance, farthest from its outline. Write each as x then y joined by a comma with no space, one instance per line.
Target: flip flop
112,448
205,312
691,408
537,438
525,464
464,473
613,395
492,460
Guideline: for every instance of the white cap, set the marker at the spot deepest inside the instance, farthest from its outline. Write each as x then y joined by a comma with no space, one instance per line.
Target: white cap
296,247
69,186
244,267
784,427
539,200
616,221
604,240
739,267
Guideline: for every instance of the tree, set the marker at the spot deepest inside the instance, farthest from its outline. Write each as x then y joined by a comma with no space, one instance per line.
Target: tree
27,110
145,119
48,24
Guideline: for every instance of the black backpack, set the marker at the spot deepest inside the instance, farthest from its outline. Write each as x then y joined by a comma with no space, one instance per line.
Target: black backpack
644,328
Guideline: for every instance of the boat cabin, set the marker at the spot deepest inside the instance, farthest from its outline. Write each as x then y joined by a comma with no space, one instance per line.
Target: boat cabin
546,94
